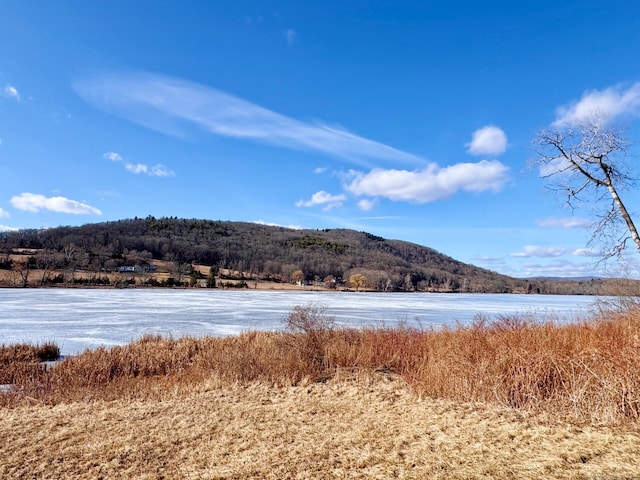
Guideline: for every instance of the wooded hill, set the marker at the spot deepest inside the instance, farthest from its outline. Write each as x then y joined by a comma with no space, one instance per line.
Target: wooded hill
247,251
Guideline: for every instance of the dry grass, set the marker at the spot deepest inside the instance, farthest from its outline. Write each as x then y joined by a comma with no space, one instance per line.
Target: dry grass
583,372
21,363
365,426
508,398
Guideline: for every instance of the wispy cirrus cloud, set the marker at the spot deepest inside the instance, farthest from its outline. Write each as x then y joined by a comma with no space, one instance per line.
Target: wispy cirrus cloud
530,251
32,202
559,268
169,105
611,102
158,170
489,140
324,199
430,184
538,251
568,222
587,252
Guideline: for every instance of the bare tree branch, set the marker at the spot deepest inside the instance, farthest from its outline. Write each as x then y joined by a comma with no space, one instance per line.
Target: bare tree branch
586,163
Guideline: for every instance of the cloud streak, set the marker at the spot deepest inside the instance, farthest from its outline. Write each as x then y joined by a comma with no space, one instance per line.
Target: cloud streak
430,184
4,213
168,104
559,268
587,252
32,202
537,251
570,222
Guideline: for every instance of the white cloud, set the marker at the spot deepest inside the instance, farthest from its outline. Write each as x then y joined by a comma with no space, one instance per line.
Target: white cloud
319,170
586,252
323,198
4,228
161,171
489,140
608,103
11,92
290,35
537,251
432,183
137,168
169,105
366,204
4,213
569,222
269,224
113,156
32,202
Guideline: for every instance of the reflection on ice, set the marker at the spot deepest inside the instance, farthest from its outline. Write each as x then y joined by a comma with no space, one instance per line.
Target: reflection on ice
77,318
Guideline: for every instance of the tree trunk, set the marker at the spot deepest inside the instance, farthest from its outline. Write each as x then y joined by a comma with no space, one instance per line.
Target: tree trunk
625,215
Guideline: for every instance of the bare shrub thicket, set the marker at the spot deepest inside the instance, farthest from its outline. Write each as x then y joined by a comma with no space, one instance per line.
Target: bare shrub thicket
310,332
585,371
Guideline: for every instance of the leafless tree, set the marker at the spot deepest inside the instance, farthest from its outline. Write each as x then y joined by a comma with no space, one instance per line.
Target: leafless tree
587,164
21,272
46,262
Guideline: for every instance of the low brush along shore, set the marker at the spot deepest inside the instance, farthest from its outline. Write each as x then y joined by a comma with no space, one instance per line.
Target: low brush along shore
510,398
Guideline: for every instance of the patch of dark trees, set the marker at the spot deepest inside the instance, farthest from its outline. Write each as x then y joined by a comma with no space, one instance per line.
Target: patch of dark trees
265,253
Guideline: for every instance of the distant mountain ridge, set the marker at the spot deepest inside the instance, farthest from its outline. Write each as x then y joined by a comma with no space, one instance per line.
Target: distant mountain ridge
256,251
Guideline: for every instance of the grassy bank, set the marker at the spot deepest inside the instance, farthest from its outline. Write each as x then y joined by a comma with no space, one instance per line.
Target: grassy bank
583,372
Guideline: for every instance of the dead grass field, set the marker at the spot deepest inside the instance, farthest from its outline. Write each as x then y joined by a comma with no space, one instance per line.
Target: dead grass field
348,427
511,398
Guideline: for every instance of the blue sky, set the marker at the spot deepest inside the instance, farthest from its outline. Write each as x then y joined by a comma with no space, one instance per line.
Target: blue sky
409,120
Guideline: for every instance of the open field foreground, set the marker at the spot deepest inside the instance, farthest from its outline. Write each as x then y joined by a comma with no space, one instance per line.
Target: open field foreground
505,398
346,428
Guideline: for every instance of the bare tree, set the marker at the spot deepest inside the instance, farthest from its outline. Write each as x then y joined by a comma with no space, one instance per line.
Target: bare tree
21,272
587,165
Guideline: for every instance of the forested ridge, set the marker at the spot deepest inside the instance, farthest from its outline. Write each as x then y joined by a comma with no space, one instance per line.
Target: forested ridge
330,257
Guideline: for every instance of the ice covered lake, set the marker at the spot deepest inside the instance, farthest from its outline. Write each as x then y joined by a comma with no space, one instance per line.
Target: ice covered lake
87,318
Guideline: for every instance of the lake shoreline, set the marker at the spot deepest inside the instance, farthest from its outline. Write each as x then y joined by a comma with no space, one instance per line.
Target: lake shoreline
268,286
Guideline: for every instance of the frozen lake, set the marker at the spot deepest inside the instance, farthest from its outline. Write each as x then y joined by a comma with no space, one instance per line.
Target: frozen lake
87,318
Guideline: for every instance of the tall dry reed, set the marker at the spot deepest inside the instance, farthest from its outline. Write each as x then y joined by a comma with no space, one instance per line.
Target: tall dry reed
587,371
